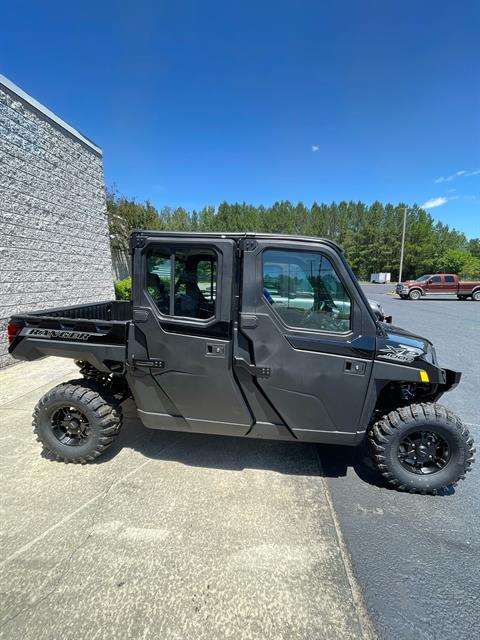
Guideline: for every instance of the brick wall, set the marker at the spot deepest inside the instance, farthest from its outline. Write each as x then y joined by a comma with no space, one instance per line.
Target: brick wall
54,243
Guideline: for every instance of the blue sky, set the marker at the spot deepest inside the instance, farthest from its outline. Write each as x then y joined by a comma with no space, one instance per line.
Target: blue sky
198,102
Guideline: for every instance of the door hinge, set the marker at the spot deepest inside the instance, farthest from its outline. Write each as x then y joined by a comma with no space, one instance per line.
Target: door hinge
248,321
136,242
253,370
248,244
149,364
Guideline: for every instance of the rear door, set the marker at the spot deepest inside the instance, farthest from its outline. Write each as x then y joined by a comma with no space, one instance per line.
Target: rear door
180,343
310,336
450,284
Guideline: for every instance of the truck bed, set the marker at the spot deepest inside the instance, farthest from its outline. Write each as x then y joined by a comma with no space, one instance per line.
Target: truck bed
95,332
467,286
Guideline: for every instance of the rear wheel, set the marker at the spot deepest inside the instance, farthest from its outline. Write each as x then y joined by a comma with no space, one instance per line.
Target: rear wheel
421,448
77,421
415,294
476,295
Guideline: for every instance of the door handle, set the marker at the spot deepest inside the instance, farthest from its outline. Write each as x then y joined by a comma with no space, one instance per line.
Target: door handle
354,367
215,350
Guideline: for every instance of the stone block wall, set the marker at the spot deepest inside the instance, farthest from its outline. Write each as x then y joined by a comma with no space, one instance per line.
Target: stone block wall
54,242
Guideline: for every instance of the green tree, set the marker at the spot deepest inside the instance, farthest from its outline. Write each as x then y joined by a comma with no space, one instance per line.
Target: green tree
369,234
179,220
474,247
461,262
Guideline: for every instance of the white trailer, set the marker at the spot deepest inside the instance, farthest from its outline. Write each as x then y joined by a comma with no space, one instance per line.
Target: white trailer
380,278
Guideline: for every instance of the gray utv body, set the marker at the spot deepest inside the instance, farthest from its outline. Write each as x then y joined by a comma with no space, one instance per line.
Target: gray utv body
256,335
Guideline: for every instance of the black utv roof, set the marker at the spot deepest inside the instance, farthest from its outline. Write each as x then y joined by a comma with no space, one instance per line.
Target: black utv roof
234,235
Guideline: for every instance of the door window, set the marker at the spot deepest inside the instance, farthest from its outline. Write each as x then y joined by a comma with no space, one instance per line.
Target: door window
183,282
305,291
436,280
159,272
449,279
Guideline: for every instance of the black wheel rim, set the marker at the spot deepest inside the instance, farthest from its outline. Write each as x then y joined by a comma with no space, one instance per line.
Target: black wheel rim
70,426
424,452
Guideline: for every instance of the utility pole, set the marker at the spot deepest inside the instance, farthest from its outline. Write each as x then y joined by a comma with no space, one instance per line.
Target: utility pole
403,244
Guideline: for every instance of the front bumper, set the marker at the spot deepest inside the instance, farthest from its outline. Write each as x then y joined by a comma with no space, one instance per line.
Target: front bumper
401,289
452,379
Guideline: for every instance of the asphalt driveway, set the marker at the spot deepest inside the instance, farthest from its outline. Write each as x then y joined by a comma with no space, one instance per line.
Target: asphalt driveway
417,557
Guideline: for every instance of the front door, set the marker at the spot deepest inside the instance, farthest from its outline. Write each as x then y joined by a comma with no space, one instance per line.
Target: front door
435,285
310,336
180,343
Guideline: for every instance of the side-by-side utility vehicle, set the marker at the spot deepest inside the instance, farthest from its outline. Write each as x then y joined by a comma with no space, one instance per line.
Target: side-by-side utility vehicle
254,335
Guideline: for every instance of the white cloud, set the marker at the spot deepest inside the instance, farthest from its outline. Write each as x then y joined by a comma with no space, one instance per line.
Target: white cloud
434,202
315,148
457,174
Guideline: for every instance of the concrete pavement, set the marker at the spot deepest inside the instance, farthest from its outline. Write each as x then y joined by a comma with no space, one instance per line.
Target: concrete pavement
166,536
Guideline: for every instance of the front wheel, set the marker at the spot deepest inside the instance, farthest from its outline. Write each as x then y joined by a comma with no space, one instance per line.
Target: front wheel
415,295
421,448
76,421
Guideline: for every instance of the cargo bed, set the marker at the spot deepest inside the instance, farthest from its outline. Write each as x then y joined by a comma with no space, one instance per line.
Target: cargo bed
95,332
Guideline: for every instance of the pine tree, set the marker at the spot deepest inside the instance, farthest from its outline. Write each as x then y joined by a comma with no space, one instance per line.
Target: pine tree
370,235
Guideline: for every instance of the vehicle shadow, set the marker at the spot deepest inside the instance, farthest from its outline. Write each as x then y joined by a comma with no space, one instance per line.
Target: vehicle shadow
235,454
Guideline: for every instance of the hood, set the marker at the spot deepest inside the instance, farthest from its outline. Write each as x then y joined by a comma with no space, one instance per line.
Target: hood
400,346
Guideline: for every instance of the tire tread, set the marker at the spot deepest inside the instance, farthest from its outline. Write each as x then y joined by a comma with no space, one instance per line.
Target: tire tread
380,432
101,403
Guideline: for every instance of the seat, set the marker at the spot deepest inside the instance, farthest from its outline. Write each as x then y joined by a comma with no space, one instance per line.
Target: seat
159,292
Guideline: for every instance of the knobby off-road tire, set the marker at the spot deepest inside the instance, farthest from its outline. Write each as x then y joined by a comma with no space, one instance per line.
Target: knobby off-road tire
401,441
77,421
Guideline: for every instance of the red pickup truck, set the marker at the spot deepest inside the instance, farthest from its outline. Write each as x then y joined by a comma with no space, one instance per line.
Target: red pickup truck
438,284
